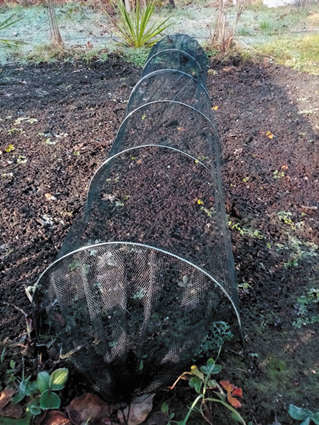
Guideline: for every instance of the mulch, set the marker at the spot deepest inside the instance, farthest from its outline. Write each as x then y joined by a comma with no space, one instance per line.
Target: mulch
57,123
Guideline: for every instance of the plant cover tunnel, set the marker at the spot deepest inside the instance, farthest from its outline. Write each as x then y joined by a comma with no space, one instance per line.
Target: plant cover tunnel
147,268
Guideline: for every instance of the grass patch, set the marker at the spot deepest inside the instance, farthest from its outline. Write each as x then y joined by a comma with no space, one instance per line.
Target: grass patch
300,53
48,53
136,56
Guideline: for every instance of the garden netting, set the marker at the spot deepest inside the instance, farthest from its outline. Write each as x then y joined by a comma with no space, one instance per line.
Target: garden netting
146,274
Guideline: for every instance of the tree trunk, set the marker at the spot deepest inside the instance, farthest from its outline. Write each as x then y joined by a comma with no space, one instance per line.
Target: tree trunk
55,35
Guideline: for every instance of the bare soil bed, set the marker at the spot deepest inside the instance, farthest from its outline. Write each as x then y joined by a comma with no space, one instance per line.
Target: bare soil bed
57,123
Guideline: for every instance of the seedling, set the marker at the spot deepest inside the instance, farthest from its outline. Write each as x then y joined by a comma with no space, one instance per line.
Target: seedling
41,393
304,415
208,391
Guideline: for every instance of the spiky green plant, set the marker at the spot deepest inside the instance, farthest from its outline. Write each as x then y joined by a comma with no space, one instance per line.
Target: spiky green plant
8,22
135,28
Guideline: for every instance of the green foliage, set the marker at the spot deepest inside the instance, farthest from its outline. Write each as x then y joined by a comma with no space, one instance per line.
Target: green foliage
135,28
8,22
41,394
218,334
208,391
304,415
305,304
136,56
7,371
266,27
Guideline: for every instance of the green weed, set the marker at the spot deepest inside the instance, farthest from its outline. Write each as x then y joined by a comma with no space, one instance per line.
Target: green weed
306,304
208,392
41,393
218,334
136,56
304,415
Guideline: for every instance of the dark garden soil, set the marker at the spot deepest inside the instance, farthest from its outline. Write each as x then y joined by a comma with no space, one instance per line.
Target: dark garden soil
57,123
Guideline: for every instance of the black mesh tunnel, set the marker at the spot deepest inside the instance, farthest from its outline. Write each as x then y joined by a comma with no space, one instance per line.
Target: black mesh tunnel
148,267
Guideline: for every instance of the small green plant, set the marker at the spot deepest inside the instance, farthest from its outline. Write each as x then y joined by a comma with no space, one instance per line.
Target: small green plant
208,391
305,303
137,56
7,371
218,334
41,393
245,231
286,217
278,174
135,28
266,27
304,415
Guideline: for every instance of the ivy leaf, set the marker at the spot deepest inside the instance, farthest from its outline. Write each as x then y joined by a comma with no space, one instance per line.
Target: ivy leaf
299,413
196,383
43,380
58,379
49,400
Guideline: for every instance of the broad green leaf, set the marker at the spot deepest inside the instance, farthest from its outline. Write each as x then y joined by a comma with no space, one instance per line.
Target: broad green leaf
298,413
31,388
34,409
195,383
49,400
58,379
305,422
43,381
315,418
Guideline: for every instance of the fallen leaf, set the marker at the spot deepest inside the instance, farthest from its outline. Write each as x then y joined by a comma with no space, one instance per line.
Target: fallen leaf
137,411
232,391
88,407
215,108
55,417
200,202
5,396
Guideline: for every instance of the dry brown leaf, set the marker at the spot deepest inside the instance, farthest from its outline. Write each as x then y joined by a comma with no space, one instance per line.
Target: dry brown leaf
55,417
14,411
138,410
5,396
88,407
